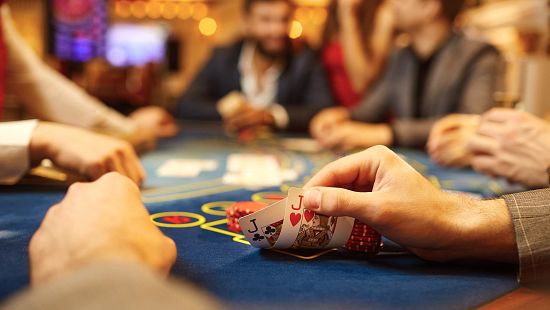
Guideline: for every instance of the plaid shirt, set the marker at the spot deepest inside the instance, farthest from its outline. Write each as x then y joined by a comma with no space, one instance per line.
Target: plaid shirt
530,213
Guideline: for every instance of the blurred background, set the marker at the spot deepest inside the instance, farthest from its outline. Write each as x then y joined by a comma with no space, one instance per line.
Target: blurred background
131,53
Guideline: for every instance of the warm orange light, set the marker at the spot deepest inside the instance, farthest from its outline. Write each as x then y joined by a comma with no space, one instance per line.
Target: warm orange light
138,9
170,10
200,10
153,9
208,26
319,16
122,9
185,10
296,30
301,14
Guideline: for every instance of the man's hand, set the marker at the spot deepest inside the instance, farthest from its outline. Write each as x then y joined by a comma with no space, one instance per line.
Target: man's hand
248,117
155,120
326,120
449,137
350,135
86,153
99,221
514,145
378,188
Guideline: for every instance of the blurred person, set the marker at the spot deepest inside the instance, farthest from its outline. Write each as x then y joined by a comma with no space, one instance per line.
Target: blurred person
261,80
504,143
24,144
356,42
381,190
80,261
45,94
439,73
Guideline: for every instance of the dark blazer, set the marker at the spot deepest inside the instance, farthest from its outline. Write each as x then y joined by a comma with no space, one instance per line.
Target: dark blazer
303,88
461,80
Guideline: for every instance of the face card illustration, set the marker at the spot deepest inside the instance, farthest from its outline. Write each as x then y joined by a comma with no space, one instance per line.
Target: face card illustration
272,232
293,218
316,231
253,225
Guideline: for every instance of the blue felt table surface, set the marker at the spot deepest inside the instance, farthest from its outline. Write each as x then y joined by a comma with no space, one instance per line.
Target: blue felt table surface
241,275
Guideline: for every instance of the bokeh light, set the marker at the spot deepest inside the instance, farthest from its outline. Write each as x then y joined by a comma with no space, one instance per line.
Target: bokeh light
296,30
208,26
200,11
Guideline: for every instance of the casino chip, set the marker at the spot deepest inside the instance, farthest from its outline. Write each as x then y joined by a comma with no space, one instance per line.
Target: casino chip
240,209
363,239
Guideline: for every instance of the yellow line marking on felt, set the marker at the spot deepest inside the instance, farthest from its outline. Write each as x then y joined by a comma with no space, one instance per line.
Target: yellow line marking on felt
199,193
208,208
200,219
189,186
304,257
435,181
236,237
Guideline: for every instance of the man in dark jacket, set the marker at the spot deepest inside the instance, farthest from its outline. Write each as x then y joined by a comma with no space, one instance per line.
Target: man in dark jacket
261,80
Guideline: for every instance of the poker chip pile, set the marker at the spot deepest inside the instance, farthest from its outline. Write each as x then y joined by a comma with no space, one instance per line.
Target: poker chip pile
363,239
240,209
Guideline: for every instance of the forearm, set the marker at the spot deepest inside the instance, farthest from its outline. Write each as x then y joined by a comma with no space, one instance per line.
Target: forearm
107,285
361,68
47,95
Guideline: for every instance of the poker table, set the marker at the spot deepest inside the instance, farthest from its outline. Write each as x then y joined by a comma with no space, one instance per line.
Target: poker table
192,212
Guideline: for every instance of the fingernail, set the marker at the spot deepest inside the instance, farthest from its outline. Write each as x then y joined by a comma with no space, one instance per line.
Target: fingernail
313,199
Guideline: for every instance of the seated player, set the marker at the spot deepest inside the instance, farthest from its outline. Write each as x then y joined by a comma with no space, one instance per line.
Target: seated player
261,80
80,260
26,143
440,72
378,188
45,94
125,258
503,143
356,42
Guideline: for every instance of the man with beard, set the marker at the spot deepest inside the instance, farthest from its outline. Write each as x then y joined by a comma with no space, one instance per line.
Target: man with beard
262,80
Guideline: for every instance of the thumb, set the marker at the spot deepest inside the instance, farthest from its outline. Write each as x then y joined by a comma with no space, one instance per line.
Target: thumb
337,202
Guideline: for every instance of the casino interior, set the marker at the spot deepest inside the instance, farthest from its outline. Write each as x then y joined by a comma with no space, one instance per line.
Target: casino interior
199,183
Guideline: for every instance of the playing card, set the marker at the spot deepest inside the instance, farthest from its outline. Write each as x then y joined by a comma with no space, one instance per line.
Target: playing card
260,228
287,224
303,145
293,218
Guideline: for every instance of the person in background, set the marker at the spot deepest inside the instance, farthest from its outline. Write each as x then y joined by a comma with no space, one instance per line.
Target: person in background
262,80
506,143
438,73
45,94
356,42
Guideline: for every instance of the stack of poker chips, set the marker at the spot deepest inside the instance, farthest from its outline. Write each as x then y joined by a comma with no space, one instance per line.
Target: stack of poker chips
240,209
363,239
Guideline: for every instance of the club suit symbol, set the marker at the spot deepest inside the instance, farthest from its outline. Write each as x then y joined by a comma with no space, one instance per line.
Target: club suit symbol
257,237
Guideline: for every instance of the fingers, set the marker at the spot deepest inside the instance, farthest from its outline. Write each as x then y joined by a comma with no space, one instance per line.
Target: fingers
133,166
485,164
338,202
359,171
499,115
479,144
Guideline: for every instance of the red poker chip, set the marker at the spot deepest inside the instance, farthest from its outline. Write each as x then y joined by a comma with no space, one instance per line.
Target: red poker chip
240,209
364,239
362,243
371,250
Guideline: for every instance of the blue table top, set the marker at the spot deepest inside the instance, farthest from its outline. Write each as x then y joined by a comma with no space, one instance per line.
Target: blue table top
223,264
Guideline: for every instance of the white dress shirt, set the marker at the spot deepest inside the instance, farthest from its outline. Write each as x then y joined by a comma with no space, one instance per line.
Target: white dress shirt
15,138
261,94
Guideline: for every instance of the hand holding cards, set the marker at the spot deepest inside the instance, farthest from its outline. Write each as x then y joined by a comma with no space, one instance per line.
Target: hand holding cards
287,224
